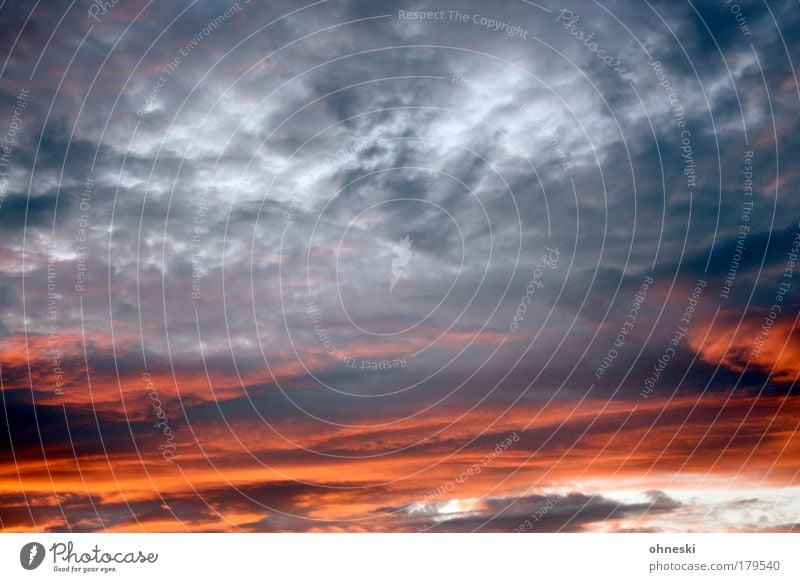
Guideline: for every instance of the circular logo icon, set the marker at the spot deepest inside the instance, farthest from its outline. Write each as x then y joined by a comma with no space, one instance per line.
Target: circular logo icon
31,555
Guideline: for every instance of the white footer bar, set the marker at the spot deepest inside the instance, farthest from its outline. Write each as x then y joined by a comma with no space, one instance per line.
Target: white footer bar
400,557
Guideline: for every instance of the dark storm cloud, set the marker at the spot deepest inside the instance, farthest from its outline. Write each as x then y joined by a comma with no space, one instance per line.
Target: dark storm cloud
23,212
571,512
465,166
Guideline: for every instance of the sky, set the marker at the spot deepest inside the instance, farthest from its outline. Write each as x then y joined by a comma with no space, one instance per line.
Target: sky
390,266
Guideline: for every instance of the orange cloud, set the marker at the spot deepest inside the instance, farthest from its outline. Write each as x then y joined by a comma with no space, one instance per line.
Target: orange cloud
769,347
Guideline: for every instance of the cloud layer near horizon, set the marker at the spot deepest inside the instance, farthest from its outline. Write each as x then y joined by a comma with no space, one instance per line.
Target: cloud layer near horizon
338,267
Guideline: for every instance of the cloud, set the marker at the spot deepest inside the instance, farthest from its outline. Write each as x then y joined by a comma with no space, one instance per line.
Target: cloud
215,208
